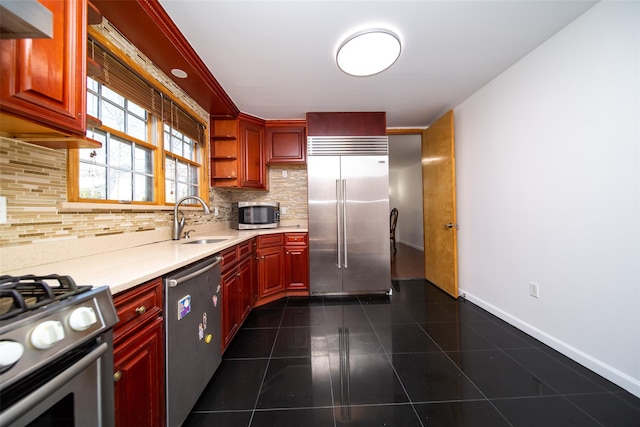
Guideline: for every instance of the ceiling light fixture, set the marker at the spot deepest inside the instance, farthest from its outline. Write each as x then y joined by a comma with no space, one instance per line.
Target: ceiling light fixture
181,74
368,52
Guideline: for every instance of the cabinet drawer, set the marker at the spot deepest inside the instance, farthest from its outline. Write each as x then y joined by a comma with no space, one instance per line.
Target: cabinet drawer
270,240
246,248
136,306
296,239
229,258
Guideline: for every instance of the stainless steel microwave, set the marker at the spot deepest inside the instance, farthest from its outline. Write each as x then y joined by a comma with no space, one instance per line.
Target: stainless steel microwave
255,215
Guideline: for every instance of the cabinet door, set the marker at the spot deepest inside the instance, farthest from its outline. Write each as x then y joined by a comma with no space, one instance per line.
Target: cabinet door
270,271
245,277
139,378
230,306
297,267
44,80
253,167
286,144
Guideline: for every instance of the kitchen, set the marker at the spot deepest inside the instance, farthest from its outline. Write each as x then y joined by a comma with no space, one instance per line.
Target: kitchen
43,190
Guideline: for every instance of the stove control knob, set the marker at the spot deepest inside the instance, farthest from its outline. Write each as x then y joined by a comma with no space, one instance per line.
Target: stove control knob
46,334
82,318
10,353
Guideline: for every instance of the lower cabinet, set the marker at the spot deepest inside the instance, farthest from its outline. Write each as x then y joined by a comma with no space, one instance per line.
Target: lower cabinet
238,279
138,357
296,262
270,255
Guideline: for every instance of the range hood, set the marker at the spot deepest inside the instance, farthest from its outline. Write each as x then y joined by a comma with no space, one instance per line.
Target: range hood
25,19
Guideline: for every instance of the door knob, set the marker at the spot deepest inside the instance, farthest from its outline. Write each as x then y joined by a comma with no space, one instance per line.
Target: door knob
451,225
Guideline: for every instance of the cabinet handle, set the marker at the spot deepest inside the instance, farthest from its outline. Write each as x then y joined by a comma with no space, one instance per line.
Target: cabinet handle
238,274
141,310
262,256
116,376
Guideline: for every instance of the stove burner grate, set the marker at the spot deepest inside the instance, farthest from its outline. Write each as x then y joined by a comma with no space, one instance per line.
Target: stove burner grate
21,294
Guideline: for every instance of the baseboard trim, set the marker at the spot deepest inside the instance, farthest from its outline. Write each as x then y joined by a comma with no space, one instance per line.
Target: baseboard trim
632,385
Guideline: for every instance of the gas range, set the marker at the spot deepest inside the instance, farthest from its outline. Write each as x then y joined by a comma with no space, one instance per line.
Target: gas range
44,318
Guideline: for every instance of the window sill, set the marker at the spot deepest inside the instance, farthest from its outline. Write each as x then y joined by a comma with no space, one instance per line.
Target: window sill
111,207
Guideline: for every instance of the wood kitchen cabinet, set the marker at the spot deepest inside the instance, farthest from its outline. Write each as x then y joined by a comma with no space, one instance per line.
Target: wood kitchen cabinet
286,142
238,153
296,262
138,356
43,81
253,168
270,255
237,288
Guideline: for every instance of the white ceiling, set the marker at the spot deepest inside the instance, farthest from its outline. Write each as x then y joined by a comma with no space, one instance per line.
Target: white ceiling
275,59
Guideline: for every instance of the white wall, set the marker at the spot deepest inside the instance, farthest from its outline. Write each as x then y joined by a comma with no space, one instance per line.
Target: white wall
548,190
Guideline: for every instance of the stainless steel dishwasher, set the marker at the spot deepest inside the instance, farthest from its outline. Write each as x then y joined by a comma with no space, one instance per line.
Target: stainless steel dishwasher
193,346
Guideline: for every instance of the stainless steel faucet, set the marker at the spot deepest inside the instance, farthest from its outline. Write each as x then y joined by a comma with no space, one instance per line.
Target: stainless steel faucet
179,225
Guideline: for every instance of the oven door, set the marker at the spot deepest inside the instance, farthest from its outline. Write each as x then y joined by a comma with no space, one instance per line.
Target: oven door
75,394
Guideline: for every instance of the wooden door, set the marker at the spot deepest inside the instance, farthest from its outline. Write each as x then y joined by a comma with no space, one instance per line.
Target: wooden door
439,205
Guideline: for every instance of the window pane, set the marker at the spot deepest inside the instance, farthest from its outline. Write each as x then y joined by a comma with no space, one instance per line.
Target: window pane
182,172
92,84
112,96
188,150
183,190
120,153
112,116
120,185
92,105
170,169
193,175
143,160
170,191
93,183
136,127
143,188
95,155
136,109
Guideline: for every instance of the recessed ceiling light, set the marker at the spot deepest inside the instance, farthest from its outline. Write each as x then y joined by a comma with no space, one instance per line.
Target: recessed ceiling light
181,74
368,52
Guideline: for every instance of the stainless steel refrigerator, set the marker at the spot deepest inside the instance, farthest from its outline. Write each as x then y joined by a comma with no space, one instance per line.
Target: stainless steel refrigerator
348,184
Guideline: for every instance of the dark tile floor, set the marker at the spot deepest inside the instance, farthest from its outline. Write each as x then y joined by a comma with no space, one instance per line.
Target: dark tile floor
418,358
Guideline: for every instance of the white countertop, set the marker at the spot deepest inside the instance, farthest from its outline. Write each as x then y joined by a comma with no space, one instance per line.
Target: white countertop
126,268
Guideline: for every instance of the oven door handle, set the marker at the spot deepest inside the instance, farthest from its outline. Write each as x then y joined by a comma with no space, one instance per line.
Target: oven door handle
29,402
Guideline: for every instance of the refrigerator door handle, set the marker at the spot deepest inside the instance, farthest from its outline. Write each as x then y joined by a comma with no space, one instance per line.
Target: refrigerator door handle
338,199
344,220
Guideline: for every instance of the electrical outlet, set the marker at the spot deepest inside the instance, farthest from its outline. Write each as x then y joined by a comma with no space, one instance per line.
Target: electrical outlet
284,173
283,210
534,289
215,211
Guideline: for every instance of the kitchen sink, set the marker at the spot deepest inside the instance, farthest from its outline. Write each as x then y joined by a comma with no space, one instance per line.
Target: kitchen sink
204,241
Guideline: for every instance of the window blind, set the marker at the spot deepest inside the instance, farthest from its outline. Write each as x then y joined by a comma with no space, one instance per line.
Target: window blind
114,74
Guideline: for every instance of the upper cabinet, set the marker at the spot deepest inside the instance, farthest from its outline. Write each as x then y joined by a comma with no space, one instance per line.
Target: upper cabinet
286,142
253,168
347,124
43,81
238,153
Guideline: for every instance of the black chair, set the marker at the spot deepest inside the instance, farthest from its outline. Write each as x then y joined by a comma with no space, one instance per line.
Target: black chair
393,220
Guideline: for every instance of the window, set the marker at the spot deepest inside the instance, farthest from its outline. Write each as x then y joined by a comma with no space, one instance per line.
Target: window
123,168
181,171
152,150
